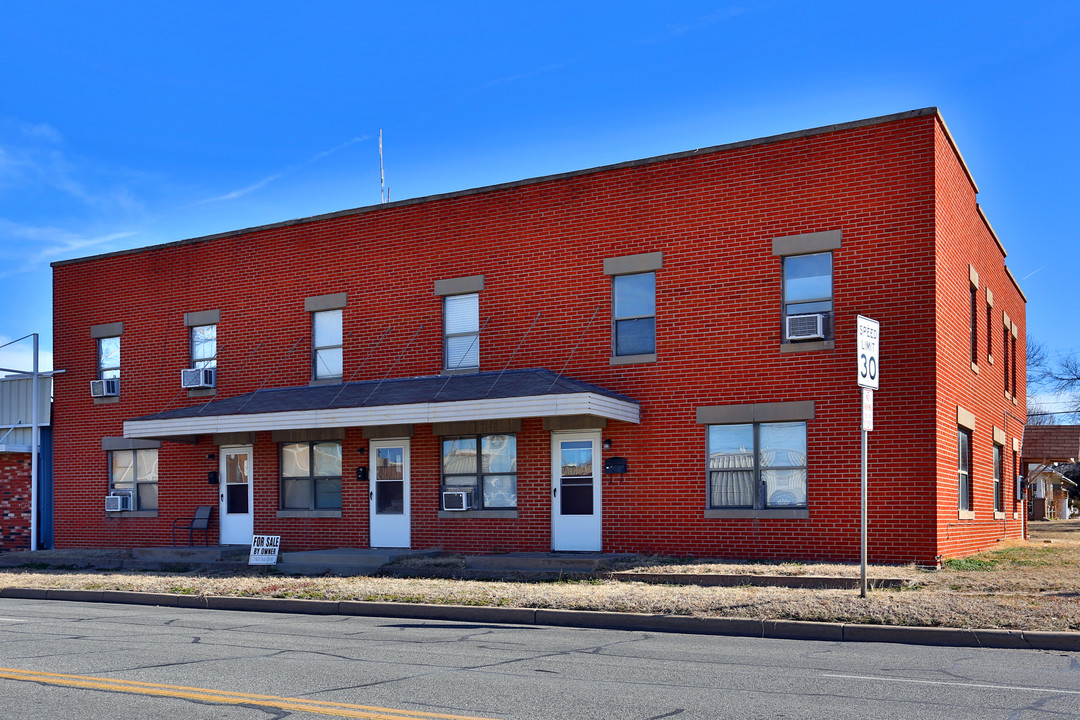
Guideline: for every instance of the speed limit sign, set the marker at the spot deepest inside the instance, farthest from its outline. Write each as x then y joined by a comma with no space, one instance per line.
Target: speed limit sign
869,342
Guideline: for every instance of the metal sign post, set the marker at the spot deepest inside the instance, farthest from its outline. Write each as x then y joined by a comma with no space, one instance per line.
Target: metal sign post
868,335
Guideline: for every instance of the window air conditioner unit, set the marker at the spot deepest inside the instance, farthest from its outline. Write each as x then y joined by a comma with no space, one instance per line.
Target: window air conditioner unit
105,388
457,500
197,378
117,502
806,327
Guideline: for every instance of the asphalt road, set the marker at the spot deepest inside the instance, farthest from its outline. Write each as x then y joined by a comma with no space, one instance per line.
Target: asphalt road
91,660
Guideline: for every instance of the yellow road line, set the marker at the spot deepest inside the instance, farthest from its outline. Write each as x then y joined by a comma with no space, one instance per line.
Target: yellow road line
227,697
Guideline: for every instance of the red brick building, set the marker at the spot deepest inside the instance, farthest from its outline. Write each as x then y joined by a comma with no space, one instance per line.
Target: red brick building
655,356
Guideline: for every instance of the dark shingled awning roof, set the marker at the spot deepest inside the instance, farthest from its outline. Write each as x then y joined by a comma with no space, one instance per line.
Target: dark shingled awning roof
440,398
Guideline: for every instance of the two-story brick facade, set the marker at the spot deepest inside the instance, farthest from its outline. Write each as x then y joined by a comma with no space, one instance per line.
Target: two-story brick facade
467,371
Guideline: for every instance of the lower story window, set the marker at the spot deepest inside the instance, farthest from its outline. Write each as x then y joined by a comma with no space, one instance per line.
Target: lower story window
757,466
999,496
484,466
963,453
136,472
311,476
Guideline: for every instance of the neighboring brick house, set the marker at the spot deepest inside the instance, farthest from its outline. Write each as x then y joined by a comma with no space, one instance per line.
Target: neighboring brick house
471,371
1047,450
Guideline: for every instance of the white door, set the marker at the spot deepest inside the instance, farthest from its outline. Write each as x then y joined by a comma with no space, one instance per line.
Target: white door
389,493
236,516
575,491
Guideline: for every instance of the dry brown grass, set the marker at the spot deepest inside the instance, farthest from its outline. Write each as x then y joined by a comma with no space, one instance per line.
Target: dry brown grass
1017,585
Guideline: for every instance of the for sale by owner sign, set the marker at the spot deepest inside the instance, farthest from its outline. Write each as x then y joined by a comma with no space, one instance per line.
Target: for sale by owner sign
264,549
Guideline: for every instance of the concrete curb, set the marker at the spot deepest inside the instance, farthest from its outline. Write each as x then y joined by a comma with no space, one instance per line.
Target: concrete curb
642,622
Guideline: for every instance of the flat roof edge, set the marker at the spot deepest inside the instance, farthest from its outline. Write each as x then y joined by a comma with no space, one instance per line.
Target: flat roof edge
959,155
1016,284
769,139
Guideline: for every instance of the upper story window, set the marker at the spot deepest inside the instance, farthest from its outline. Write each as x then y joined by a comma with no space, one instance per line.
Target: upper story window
311,476
108,366
490,475
135,471
757,466
808,293
327,336
461,331
1005,354
974,325
633,306
634,314
461,321
327,339
204,346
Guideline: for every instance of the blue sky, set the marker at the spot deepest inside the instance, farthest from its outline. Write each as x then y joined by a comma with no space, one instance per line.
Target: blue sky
125,124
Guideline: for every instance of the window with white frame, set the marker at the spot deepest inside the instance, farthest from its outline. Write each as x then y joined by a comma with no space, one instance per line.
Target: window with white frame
135,472
461,331
311,476
808,296
484,466
108,358
633,314
963,454
757,466
204,346
327,339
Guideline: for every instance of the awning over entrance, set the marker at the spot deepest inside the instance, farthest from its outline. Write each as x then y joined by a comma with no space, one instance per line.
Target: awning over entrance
441,398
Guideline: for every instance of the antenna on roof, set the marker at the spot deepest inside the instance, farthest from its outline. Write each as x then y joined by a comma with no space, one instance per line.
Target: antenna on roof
384,192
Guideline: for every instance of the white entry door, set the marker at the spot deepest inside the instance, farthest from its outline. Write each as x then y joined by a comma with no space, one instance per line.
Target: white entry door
236,516
389,493
575,491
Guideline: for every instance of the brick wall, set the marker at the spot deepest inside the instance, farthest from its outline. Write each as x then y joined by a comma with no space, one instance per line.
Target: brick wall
14,501
965,241
909,225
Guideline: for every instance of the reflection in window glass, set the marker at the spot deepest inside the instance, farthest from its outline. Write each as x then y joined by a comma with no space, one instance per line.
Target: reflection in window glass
634,313
135,471
109,358
762,465
490,475
311,476
808,290
204,346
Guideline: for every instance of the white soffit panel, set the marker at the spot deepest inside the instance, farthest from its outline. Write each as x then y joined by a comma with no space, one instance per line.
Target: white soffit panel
488,409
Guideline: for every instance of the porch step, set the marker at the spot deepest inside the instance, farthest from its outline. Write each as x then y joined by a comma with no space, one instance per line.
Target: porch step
541,562
343,561
195,554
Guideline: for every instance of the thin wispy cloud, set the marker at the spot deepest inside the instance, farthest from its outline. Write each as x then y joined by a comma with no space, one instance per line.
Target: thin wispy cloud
519,76
41,131
1032,273
675,30
234,194
27,247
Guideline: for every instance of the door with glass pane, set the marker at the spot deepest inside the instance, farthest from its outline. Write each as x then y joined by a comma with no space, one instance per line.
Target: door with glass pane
236,516
575,491
389,493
